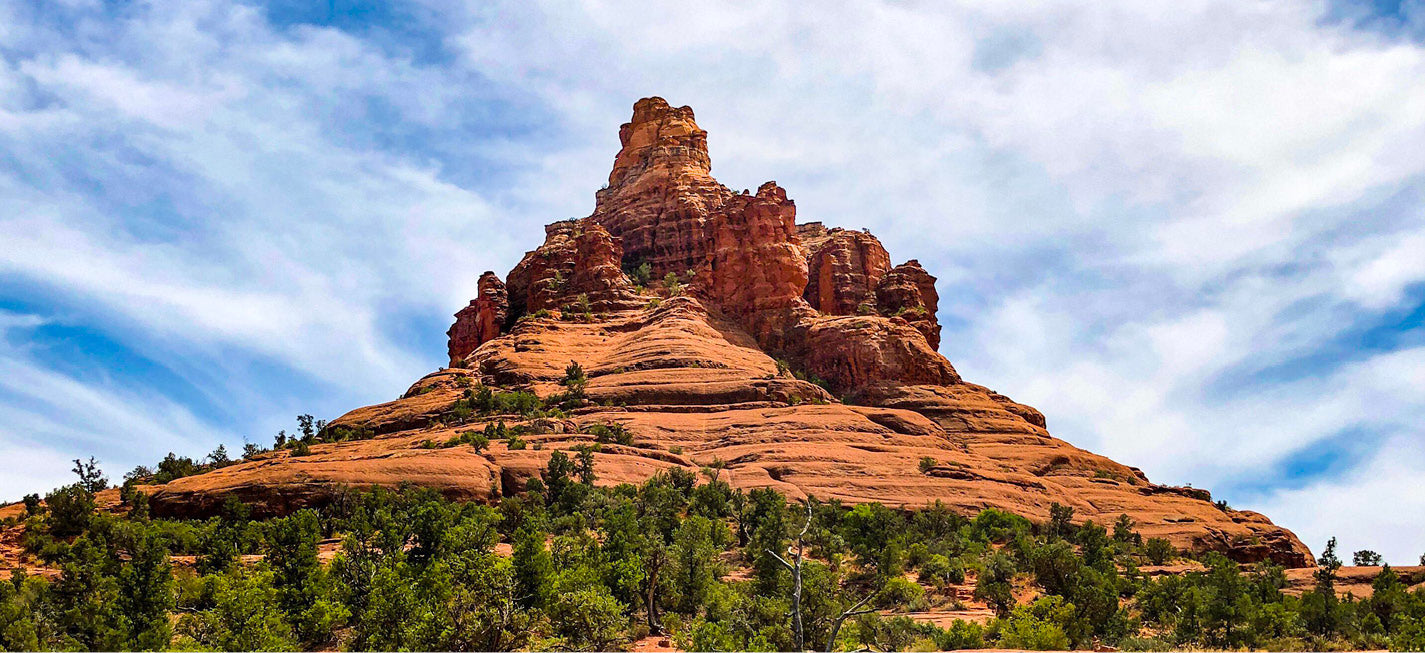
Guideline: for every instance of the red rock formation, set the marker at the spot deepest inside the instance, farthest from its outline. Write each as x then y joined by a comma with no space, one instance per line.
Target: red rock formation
754,268
693,377
844,269
908,291
578,261
481,321
852,352
661,194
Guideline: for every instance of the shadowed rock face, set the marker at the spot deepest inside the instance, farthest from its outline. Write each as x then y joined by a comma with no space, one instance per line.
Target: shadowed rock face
908,291
844,269
794,357
576,268
481,321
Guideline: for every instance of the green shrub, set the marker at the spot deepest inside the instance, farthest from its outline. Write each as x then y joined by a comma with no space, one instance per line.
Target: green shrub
961,635
612,432
641,275
940,571
1061,520
1036,627
518,403
90,477
995,584
1366,558
32,505
174,467
900,593
588,618
1159,551
243,615
1149,644
873,631
70,508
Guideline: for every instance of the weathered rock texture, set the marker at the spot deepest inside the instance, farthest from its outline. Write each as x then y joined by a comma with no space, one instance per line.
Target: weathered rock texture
661,195
481,321
850,273
691,369
908,291
576,268
845,269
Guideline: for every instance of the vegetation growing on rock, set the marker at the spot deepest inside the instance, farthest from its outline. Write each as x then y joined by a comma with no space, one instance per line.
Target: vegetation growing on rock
573,566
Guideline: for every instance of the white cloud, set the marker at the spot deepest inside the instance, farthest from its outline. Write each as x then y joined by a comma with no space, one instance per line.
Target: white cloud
1377,274
51,418
204,188
290,236
1371,507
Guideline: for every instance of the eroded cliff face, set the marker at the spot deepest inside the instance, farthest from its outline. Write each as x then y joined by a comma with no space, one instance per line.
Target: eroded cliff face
796,357
481,321
907,291
577,268
661,195
844,269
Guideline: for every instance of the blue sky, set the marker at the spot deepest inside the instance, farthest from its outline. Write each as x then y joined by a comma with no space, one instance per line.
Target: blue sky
1192,233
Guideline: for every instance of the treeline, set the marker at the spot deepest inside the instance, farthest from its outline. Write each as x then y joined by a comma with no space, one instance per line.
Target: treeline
570,566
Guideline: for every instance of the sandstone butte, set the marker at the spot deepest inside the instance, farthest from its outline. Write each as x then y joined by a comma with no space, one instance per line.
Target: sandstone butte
710,371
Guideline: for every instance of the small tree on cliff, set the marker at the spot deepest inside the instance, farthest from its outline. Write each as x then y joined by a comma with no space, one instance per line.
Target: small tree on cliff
1061,520
1366,558
90,477
641,274
574,381
1123,529
1158,550
574,376
1327,566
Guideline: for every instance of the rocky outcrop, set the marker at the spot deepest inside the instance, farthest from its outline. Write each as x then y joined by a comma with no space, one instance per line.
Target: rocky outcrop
577,269
907,291
844,269
852,352
661,195
794,358
481,321
754,268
